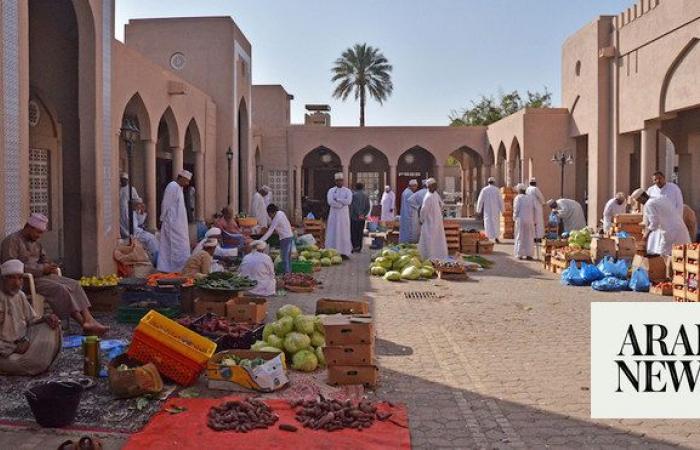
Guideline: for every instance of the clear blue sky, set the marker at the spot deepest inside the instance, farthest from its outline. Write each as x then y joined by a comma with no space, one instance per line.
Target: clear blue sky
445,53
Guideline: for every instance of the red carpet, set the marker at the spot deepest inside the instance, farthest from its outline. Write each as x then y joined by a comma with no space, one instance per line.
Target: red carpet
189,430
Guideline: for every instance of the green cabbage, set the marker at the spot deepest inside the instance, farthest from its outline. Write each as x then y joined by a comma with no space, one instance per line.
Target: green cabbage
286,325
392,276
325,262
270,328
313,248
258,345
410,273
426,272
302,258
275,341
304,324
288,310
321,356
270,349
317,339
305,361
378,271
318,325
335,260
391,255
294,342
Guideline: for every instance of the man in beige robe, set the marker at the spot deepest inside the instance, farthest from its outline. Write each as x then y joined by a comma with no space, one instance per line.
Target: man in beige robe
199,264
28,343
65,295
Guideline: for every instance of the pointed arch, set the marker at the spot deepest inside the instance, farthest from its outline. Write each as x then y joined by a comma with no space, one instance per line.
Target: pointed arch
685,51
167,127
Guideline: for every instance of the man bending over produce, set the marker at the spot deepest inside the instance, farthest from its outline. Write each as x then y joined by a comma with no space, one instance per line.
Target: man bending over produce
258,266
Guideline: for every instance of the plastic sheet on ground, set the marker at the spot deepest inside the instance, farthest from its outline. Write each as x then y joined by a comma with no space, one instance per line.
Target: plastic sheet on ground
189,429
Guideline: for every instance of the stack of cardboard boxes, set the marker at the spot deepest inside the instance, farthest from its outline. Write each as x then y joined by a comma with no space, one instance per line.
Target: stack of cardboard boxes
452,235
475,242
507,222
632,225
349,350
316,228
685,266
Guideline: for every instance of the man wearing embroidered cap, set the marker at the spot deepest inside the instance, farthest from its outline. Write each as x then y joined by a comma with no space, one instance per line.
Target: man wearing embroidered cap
406,224
490,206
65,295
258,266
524,211
199,264
388,203
664,226
338,229
29,343
268,196
535,192
174,247
258,207
432,242
415,202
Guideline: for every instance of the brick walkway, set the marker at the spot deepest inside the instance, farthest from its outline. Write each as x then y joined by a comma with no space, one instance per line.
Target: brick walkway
501,361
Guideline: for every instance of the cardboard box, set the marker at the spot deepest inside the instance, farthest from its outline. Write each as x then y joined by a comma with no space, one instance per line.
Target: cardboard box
485,247
344,375
267,377
332,306
602,247
104,300
349,355
626,247
202,306
343,330
470,248
247,309
628,218
656,266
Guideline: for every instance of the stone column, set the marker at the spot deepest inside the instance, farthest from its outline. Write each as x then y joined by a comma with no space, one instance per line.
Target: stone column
297,181
199,188
499,173
648,153
178,160
440,177
392,178
150,182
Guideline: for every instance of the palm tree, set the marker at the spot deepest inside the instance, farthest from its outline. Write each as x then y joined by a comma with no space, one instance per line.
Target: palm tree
360,69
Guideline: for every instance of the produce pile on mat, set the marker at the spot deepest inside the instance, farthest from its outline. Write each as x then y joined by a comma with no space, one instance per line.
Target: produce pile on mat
402,262
298,335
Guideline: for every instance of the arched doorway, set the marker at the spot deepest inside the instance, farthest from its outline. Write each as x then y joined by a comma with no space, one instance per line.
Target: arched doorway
166,154
242,155
370,167
192,161
489,163
515,164
470,180
135,111
60,41
45,162
317,171
501,165
415,163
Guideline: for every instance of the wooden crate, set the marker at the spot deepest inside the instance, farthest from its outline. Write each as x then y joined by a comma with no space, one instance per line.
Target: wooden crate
692,296
692,252
632,218
692,267
678,252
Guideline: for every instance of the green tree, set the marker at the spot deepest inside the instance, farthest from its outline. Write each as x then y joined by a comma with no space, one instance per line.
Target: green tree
488,110
361,70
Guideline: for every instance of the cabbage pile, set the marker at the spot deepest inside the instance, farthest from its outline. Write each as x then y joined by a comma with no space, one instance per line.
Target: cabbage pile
580,239
320,257
402,262
299,336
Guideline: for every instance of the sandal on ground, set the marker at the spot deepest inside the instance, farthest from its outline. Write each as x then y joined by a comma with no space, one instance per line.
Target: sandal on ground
88,443
68,445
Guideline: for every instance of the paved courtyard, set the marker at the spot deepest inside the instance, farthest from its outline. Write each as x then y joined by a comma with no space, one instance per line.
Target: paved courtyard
501,361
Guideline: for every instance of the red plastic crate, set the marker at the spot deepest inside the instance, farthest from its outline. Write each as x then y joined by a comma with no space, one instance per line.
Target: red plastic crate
171,364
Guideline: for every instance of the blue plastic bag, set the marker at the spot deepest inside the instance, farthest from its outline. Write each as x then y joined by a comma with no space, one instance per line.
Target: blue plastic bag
620,269
610,284
622,234
590,273
571,276
610,268
640,280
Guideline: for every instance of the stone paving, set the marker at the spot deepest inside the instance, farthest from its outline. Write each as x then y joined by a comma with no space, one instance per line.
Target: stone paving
500,361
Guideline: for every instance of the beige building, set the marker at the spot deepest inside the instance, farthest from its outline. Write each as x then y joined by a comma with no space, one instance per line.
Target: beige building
630,105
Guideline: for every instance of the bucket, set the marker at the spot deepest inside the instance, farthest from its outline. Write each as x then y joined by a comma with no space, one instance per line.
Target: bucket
54,403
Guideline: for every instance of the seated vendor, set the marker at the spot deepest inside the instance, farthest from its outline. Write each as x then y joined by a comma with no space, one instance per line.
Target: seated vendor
199,264
212,233
227,222
65,295
258,266
28,343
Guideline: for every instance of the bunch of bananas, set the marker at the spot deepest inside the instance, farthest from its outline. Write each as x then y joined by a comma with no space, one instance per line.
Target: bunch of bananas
109,280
